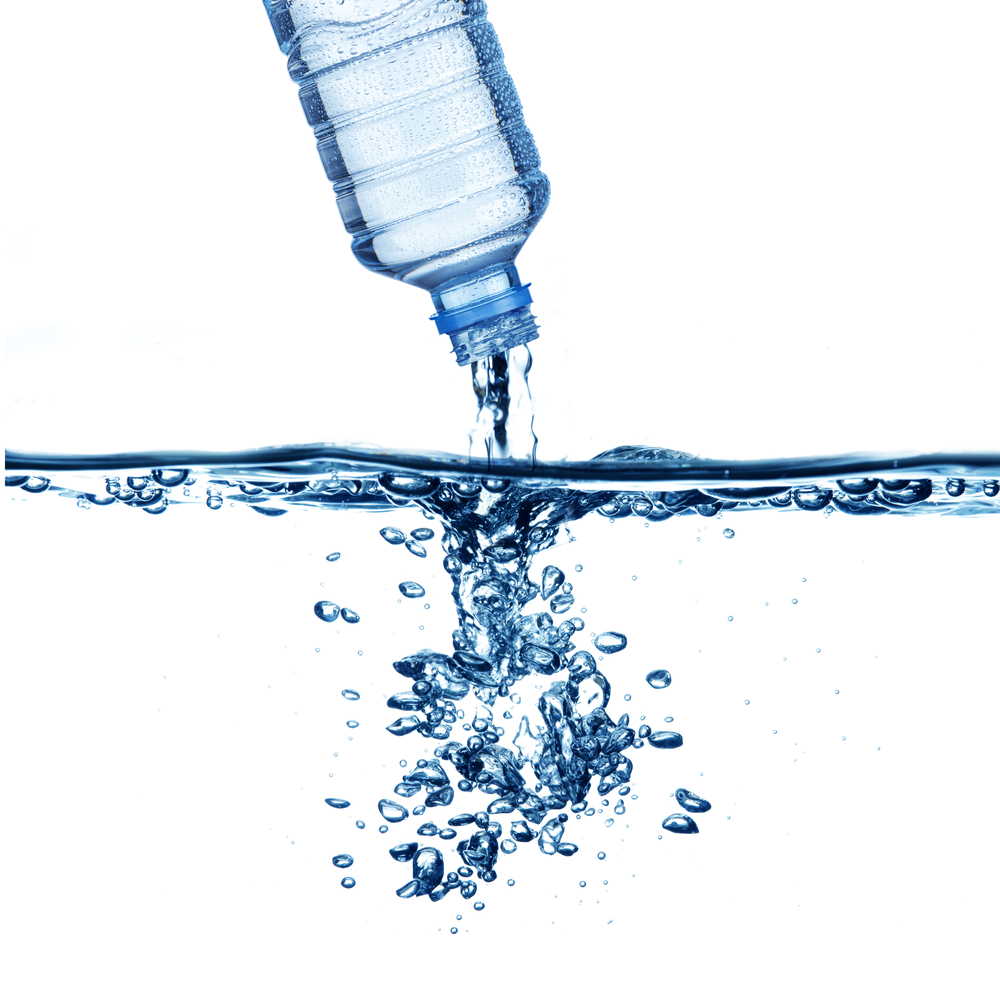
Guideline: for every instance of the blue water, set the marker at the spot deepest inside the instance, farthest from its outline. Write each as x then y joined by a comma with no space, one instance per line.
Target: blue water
507,772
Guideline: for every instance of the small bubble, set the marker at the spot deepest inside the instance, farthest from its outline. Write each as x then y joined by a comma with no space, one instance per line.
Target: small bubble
610,642
349,616
836,690
348,882
350,695
775,731
627,697
803,579
411,589
479,906
601,855
635,578
383,829
510,881
352,723
728,533
360,824
730,618
326,611
454,930
658,679
578,567
747,701
795,600
333,557
843,737
583,885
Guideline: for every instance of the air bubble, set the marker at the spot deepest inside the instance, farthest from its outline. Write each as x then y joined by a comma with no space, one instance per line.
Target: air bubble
347,882
728,533
679,823
610,642
658,679
411,589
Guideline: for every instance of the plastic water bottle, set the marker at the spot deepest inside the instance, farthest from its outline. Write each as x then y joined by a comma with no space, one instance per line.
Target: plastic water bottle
420,130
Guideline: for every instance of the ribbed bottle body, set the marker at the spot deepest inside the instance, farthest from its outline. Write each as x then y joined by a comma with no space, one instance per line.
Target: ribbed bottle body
420,130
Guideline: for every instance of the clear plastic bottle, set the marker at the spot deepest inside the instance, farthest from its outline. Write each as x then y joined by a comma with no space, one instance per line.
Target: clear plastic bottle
421,132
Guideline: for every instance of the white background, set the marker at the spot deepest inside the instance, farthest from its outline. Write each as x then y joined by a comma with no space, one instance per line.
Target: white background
771,234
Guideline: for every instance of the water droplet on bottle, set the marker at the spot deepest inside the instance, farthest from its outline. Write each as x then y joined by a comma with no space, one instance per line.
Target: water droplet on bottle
411,589
343,860
326,611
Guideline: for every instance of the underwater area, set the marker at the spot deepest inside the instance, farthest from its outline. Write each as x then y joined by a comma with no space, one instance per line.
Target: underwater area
798,602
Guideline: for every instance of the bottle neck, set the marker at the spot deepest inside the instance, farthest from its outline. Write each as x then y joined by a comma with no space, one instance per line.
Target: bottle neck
485,316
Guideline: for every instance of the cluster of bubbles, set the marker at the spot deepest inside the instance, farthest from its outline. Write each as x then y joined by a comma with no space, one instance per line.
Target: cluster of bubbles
493,531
